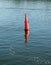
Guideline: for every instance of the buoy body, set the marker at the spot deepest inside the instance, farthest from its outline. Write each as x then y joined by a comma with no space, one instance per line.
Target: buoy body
26,23
27,28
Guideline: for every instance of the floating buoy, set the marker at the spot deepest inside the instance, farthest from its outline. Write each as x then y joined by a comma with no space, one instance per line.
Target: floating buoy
26,23
27,28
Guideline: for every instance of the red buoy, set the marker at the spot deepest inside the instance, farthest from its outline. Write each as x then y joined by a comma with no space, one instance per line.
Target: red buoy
27,28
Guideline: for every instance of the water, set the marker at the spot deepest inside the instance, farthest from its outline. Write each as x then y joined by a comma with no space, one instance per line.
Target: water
13,49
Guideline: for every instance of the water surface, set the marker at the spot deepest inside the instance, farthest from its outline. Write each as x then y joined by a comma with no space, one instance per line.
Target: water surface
13,49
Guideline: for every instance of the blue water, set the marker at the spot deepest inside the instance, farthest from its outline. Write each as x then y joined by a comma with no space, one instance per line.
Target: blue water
13,49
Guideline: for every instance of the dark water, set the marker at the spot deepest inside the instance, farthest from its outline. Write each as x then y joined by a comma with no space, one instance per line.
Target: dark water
13,49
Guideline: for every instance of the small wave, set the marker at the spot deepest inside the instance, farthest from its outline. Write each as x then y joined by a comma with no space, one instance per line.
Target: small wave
27,8
11,51
39,60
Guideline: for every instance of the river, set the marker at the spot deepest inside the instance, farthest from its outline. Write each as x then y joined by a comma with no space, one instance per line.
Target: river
13,49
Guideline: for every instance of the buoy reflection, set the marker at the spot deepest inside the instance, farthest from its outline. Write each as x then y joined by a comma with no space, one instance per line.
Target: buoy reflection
27,36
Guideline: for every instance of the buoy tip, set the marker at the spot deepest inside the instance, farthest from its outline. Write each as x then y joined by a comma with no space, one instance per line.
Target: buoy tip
25,14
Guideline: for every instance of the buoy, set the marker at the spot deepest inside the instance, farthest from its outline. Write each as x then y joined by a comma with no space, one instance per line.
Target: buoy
27,28
26,23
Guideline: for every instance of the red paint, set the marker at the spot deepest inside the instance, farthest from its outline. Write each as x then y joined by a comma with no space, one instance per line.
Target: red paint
26,23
